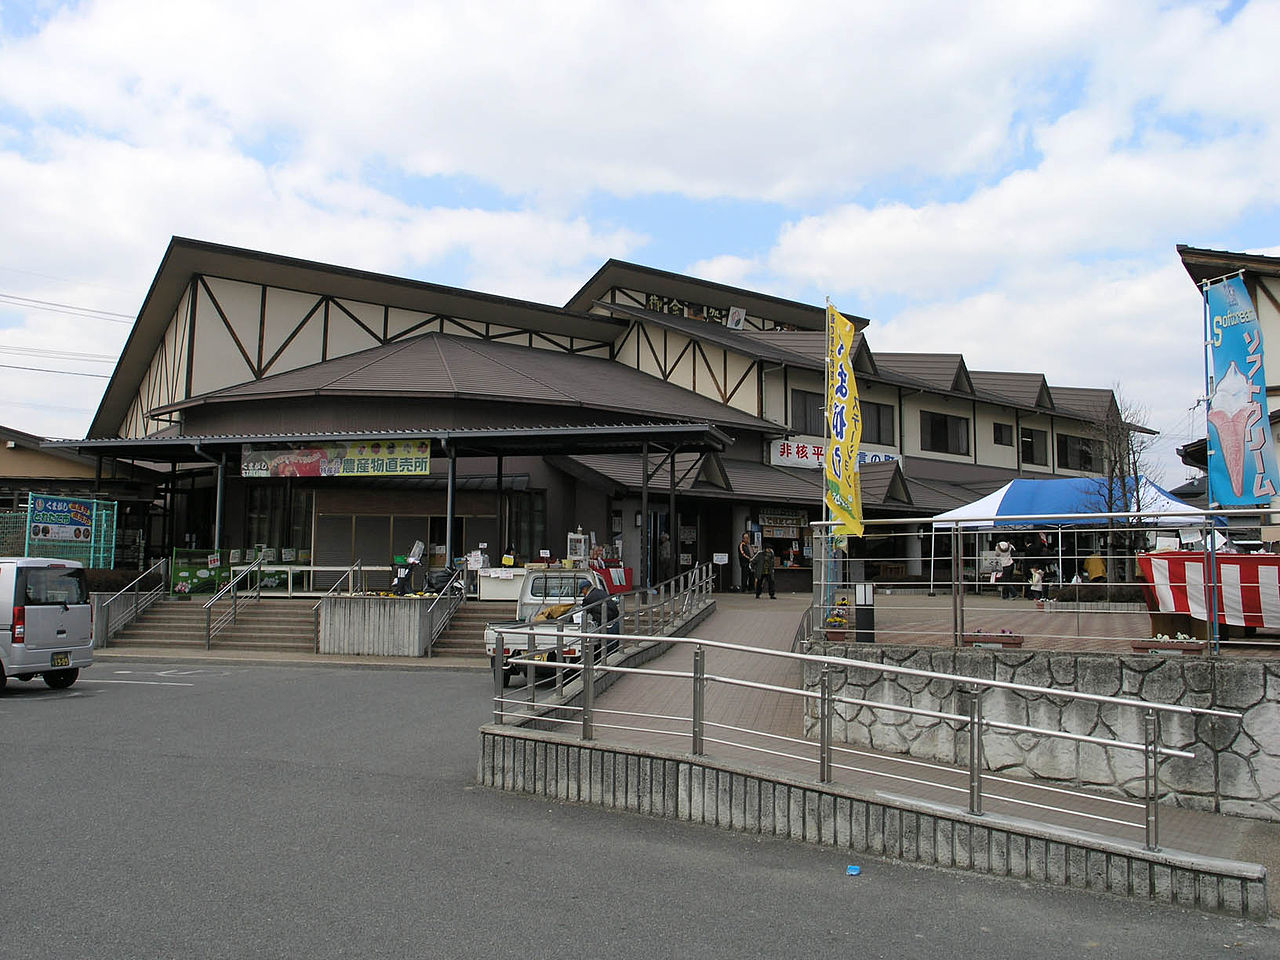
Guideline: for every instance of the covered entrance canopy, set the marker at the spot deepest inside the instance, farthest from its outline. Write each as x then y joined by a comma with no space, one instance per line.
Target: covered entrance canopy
225,450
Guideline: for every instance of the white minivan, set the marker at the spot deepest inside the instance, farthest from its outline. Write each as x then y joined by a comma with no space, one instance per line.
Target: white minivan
46,622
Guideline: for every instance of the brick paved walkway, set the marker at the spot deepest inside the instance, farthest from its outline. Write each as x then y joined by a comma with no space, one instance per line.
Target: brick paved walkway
666,703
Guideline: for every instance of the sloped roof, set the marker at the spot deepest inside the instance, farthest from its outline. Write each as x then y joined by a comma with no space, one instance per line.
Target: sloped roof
185,259
445,365
619,273
1202,264
945,372
1089,403
1023,389
717,333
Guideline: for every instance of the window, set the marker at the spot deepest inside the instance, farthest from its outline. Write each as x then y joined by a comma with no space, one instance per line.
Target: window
1076,453
941,433
1035,446
806,413
1003,434
877,423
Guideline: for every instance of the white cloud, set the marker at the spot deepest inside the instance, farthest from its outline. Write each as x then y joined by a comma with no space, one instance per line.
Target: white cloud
966,163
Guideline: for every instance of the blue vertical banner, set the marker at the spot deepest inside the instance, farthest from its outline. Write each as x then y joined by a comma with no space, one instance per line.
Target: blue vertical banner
1242,456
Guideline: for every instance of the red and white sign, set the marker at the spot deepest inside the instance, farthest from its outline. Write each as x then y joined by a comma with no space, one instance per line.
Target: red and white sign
1248,586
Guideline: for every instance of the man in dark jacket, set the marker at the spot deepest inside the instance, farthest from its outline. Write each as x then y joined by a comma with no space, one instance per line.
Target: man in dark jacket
762,566
601,610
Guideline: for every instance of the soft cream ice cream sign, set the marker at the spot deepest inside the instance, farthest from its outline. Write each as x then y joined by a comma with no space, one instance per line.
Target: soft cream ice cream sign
1242,459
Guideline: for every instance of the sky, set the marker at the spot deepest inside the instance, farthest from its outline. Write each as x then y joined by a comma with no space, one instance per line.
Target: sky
1004,180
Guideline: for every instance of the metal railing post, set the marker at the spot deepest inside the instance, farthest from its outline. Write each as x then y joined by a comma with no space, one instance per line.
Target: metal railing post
530,672
975,752
498,665
559,660
699,697
588,686
824,727
208,627
957,586
1151,774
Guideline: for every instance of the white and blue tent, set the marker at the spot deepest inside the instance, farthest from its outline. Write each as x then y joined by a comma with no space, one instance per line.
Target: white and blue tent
1057,502
1065,501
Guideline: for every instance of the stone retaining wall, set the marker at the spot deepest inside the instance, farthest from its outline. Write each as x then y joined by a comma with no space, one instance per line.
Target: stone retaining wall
681,787
1237,765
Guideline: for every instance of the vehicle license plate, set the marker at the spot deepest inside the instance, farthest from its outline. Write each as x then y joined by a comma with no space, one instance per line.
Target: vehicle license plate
60,660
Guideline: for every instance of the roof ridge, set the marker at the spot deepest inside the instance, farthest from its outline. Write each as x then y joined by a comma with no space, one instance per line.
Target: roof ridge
464,343
398,347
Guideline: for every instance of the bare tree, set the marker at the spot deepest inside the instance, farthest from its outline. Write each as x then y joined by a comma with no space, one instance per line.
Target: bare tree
1125,448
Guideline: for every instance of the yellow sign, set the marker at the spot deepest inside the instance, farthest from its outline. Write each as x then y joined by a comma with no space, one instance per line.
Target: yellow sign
844,428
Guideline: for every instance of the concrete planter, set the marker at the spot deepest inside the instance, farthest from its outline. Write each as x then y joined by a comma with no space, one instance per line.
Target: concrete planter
375,626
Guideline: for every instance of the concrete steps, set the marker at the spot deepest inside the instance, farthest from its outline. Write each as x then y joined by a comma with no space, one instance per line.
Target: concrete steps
464,637
265,625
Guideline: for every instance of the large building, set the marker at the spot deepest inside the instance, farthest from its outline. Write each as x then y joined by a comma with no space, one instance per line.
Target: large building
329,414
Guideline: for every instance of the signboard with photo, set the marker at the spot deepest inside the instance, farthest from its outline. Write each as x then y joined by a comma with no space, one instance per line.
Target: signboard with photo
357,458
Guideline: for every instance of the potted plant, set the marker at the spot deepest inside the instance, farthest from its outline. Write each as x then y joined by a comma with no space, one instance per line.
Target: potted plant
837,621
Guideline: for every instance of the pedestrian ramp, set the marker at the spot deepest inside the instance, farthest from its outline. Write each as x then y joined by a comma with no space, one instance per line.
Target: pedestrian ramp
716,734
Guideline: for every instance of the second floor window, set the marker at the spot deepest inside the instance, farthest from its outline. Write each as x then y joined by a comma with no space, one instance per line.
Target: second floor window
1003,434
1035,446
941,433
1077,453
806,413
877,423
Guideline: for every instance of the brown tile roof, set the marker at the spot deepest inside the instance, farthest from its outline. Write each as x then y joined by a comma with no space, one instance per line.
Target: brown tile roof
1023,389
444,365
944,372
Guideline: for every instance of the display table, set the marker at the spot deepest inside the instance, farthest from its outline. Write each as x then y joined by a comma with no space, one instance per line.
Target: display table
793,579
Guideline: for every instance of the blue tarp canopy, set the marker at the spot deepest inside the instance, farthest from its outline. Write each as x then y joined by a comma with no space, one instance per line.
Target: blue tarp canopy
1067,501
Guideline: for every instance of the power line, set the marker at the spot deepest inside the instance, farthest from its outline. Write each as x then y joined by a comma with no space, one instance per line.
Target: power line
44,406
55,307
69,373
58,354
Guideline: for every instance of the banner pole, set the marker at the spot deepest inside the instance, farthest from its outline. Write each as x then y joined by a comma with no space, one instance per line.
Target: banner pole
1211,551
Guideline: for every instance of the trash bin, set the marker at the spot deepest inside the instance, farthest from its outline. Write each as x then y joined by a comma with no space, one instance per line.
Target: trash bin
864,612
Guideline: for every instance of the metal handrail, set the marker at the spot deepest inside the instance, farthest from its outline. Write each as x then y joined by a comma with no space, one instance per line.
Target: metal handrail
452,594
140,600
693,583
1151,749
211,627
347,575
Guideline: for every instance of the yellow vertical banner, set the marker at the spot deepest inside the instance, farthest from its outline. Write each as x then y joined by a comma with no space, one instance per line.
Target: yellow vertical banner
844,428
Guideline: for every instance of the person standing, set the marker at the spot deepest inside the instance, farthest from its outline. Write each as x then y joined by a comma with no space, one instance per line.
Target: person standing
666,558
1004,559
762,566
745,553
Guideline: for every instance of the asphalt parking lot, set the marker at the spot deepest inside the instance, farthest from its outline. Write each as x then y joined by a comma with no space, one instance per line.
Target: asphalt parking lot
214,810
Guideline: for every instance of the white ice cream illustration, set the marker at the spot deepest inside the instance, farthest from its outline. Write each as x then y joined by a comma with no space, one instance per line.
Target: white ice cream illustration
1229,411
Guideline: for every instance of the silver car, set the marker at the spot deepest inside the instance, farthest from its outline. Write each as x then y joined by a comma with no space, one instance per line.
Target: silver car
46,622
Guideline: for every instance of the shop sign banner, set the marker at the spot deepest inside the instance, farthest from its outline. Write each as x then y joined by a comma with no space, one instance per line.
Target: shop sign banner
1242,458
357,458
810,453
57,518
844,428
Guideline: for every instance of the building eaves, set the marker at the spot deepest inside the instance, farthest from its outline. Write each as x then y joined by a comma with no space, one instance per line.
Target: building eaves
713,332
185,259
448,366
620,273
1203,265
1027,391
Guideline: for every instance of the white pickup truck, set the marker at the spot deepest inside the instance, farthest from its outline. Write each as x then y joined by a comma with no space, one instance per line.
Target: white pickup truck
542,591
